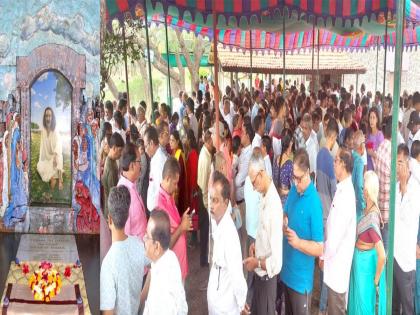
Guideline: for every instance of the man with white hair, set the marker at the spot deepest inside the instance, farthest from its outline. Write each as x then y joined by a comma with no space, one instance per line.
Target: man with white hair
265,255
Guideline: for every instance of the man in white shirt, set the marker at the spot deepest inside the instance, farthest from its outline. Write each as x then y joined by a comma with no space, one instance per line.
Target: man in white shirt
158,159
123,266
257,100
192,118
266,148
227,115
414,127
407,212
265,255
203,177
165,294
340,235
259,126
163,136
227,289
177,104
311,142
244,157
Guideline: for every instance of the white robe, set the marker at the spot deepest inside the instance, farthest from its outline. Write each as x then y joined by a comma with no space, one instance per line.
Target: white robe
50,145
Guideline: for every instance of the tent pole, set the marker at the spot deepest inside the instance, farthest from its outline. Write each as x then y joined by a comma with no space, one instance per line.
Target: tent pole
148,56
386,49
395,112
377,59
216,76
250,54
317,68
284,54
167,60
313,48
125,64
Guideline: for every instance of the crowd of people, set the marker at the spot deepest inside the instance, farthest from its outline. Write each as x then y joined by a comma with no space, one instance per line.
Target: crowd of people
285,184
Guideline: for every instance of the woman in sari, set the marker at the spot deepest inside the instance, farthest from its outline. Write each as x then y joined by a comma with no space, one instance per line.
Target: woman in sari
18,205
374,138
283,166
367,292
177,152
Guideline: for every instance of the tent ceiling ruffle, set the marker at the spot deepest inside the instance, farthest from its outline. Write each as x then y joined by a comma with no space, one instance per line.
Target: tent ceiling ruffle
295,41
264,14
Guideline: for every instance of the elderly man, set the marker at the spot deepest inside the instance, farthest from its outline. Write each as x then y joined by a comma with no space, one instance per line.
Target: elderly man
358,171
407,212
166,294
265,255
341,235
158,157
311,142
305,235
226,292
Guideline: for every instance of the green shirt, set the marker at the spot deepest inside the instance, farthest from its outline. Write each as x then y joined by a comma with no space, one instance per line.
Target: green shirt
109,180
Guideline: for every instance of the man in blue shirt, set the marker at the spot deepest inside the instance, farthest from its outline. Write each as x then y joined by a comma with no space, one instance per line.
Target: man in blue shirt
303,228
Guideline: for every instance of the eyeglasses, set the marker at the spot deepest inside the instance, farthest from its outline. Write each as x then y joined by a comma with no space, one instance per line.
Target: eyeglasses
255,178
146,238
298,179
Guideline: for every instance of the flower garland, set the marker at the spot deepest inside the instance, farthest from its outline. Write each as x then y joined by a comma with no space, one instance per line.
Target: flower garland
46,282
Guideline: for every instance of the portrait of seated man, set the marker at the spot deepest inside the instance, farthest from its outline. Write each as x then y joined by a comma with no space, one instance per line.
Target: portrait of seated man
50,163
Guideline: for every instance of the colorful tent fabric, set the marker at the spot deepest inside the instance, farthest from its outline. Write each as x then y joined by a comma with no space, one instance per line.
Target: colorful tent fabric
263,41
236,10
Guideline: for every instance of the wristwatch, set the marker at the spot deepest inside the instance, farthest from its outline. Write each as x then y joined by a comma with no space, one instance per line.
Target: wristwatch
259,263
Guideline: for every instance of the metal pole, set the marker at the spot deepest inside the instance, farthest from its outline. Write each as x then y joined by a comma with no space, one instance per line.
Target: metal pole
250,53
395,111
167,60
125,64
317,68
216,76
148,55
377,59
313,48
284,54
386,49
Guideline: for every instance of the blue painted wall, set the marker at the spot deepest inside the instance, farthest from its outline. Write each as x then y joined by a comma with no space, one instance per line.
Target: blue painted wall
27,24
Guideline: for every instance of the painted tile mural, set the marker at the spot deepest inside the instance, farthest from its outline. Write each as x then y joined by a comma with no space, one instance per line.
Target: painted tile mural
49,79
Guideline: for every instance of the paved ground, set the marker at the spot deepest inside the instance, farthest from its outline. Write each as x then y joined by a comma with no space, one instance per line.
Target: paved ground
197,280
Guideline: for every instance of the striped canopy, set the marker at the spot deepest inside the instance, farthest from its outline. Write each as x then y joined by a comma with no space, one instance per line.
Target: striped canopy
254,13
295,41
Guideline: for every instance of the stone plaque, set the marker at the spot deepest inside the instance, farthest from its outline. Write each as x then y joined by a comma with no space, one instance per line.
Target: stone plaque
53,248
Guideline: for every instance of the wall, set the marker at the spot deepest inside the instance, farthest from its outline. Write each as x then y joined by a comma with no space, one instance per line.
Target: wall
30,24
64,36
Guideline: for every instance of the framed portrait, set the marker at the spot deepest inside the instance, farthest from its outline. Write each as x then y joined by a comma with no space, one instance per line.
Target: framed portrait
50,165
